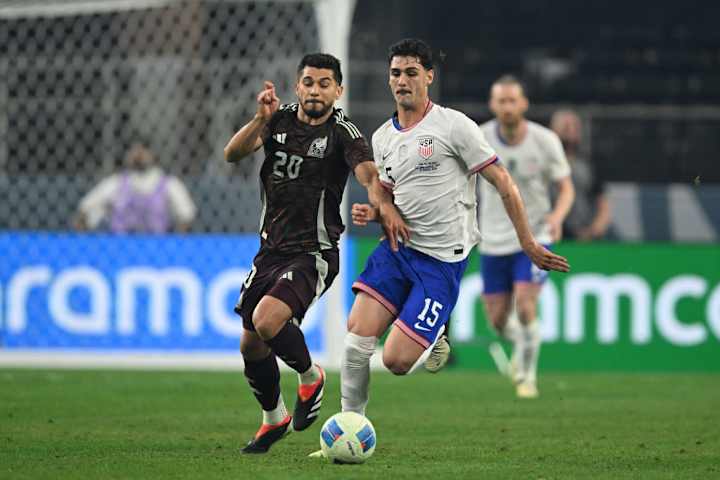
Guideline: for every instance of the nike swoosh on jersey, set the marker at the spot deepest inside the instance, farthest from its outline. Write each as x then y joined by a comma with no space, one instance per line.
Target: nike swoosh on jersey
420,327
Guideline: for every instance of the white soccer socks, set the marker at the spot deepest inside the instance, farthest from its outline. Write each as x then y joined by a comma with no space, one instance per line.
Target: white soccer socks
511,330
530,335
355,372
310,376
277,414
526,350
512,333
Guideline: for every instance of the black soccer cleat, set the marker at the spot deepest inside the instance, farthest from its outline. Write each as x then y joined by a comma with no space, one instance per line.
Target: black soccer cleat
309,400
267,435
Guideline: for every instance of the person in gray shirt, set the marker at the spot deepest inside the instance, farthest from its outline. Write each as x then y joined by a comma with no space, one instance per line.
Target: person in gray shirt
589,217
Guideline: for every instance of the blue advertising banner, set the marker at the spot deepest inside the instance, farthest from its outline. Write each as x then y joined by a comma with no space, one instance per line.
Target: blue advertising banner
128,293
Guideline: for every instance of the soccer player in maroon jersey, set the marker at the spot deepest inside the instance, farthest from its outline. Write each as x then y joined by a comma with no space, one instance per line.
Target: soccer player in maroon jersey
310,148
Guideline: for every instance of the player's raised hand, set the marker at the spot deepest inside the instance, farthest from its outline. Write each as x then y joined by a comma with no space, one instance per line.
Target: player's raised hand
268,102
545,259
362,214
393,225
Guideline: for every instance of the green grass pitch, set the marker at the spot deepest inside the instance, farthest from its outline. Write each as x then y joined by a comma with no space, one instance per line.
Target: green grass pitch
456,424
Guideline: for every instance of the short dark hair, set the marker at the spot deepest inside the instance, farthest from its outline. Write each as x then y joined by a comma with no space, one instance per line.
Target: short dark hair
413,47
508,79
322,60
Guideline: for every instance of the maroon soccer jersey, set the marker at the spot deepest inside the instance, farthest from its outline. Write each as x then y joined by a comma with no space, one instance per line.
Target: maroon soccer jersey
303,178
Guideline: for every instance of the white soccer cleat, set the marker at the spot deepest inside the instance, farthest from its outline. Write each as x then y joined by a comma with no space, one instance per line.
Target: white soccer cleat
526,390
317,454
439,355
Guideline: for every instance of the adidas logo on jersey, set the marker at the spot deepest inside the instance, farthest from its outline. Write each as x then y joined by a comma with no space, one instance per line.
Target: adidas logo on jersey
280,137
287,275
317,148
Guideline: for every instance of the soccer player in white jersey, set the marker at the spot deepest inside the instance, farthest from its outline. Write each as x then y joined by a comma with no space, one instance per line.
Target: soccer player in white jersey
427,155
536,161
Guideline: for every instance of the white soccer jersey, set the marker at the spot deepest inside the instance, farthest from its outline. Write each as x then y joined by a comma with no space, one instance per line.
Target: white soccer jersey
430,168
535,164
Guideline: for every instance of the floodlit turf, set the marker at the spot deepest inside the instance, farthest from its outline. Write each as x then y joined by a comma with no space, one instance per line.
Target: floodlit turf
108,425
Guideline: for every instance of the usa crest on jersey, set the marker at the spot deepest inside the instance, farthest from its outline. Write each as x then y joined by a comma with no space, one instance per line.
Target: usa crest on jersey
425,147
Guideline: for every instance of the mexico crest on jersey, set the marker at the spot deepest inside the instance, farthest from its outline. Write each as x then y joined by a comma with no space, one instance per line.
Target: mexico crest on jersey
317,148
425,147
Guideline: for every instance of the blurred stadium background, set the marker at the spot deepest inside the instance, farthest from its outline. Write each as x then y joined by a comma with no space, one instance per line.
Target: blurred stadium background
81,80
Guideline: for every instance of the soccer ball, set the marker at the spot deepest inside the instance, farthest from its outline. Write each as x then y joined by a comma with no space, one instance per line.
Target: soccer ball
347,437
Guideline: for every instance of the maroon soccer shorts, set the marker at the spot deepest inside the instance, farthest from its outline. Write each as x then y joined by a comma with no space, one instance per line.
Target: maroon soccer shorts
296,279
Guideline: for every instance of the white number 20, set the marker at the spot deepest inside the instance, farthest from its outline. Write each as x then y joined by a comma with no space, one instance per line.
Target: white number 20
293,166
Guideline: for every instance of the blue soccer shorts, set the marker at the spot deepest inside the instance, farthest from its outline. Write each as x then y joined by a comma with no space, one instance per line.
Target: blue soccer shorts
501,272
421,291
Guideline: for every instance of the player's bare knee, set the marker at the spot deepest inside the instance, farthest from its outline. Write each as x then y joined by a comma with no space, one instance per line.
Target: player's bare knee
398,368
367,328
396,365
269,317
265,327
526,311
497,315
498,321
265,330
353,326
526,316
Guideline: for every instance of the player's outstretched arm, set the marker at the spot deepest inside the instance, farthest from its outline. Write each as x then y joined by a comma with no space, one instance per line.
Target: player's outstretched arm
248,138
383,208
499,177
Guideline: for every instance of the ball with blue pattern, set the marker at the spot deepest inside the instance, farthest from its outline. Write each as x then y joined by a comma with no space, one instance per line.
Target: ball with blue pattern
347,437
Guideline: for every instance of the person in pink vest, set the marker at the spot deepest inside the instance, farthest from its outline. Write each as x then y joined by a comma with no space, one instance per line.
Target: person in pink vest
142,198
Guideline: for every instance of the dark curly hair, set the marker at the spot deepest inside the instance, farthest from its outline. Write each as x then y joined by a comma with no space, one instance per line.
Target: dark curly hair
413,47
322,60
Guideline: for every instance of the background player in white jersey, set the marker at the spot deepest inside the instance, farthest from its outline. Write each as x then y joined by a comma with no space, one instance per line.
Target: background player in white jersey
535,159
427,155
